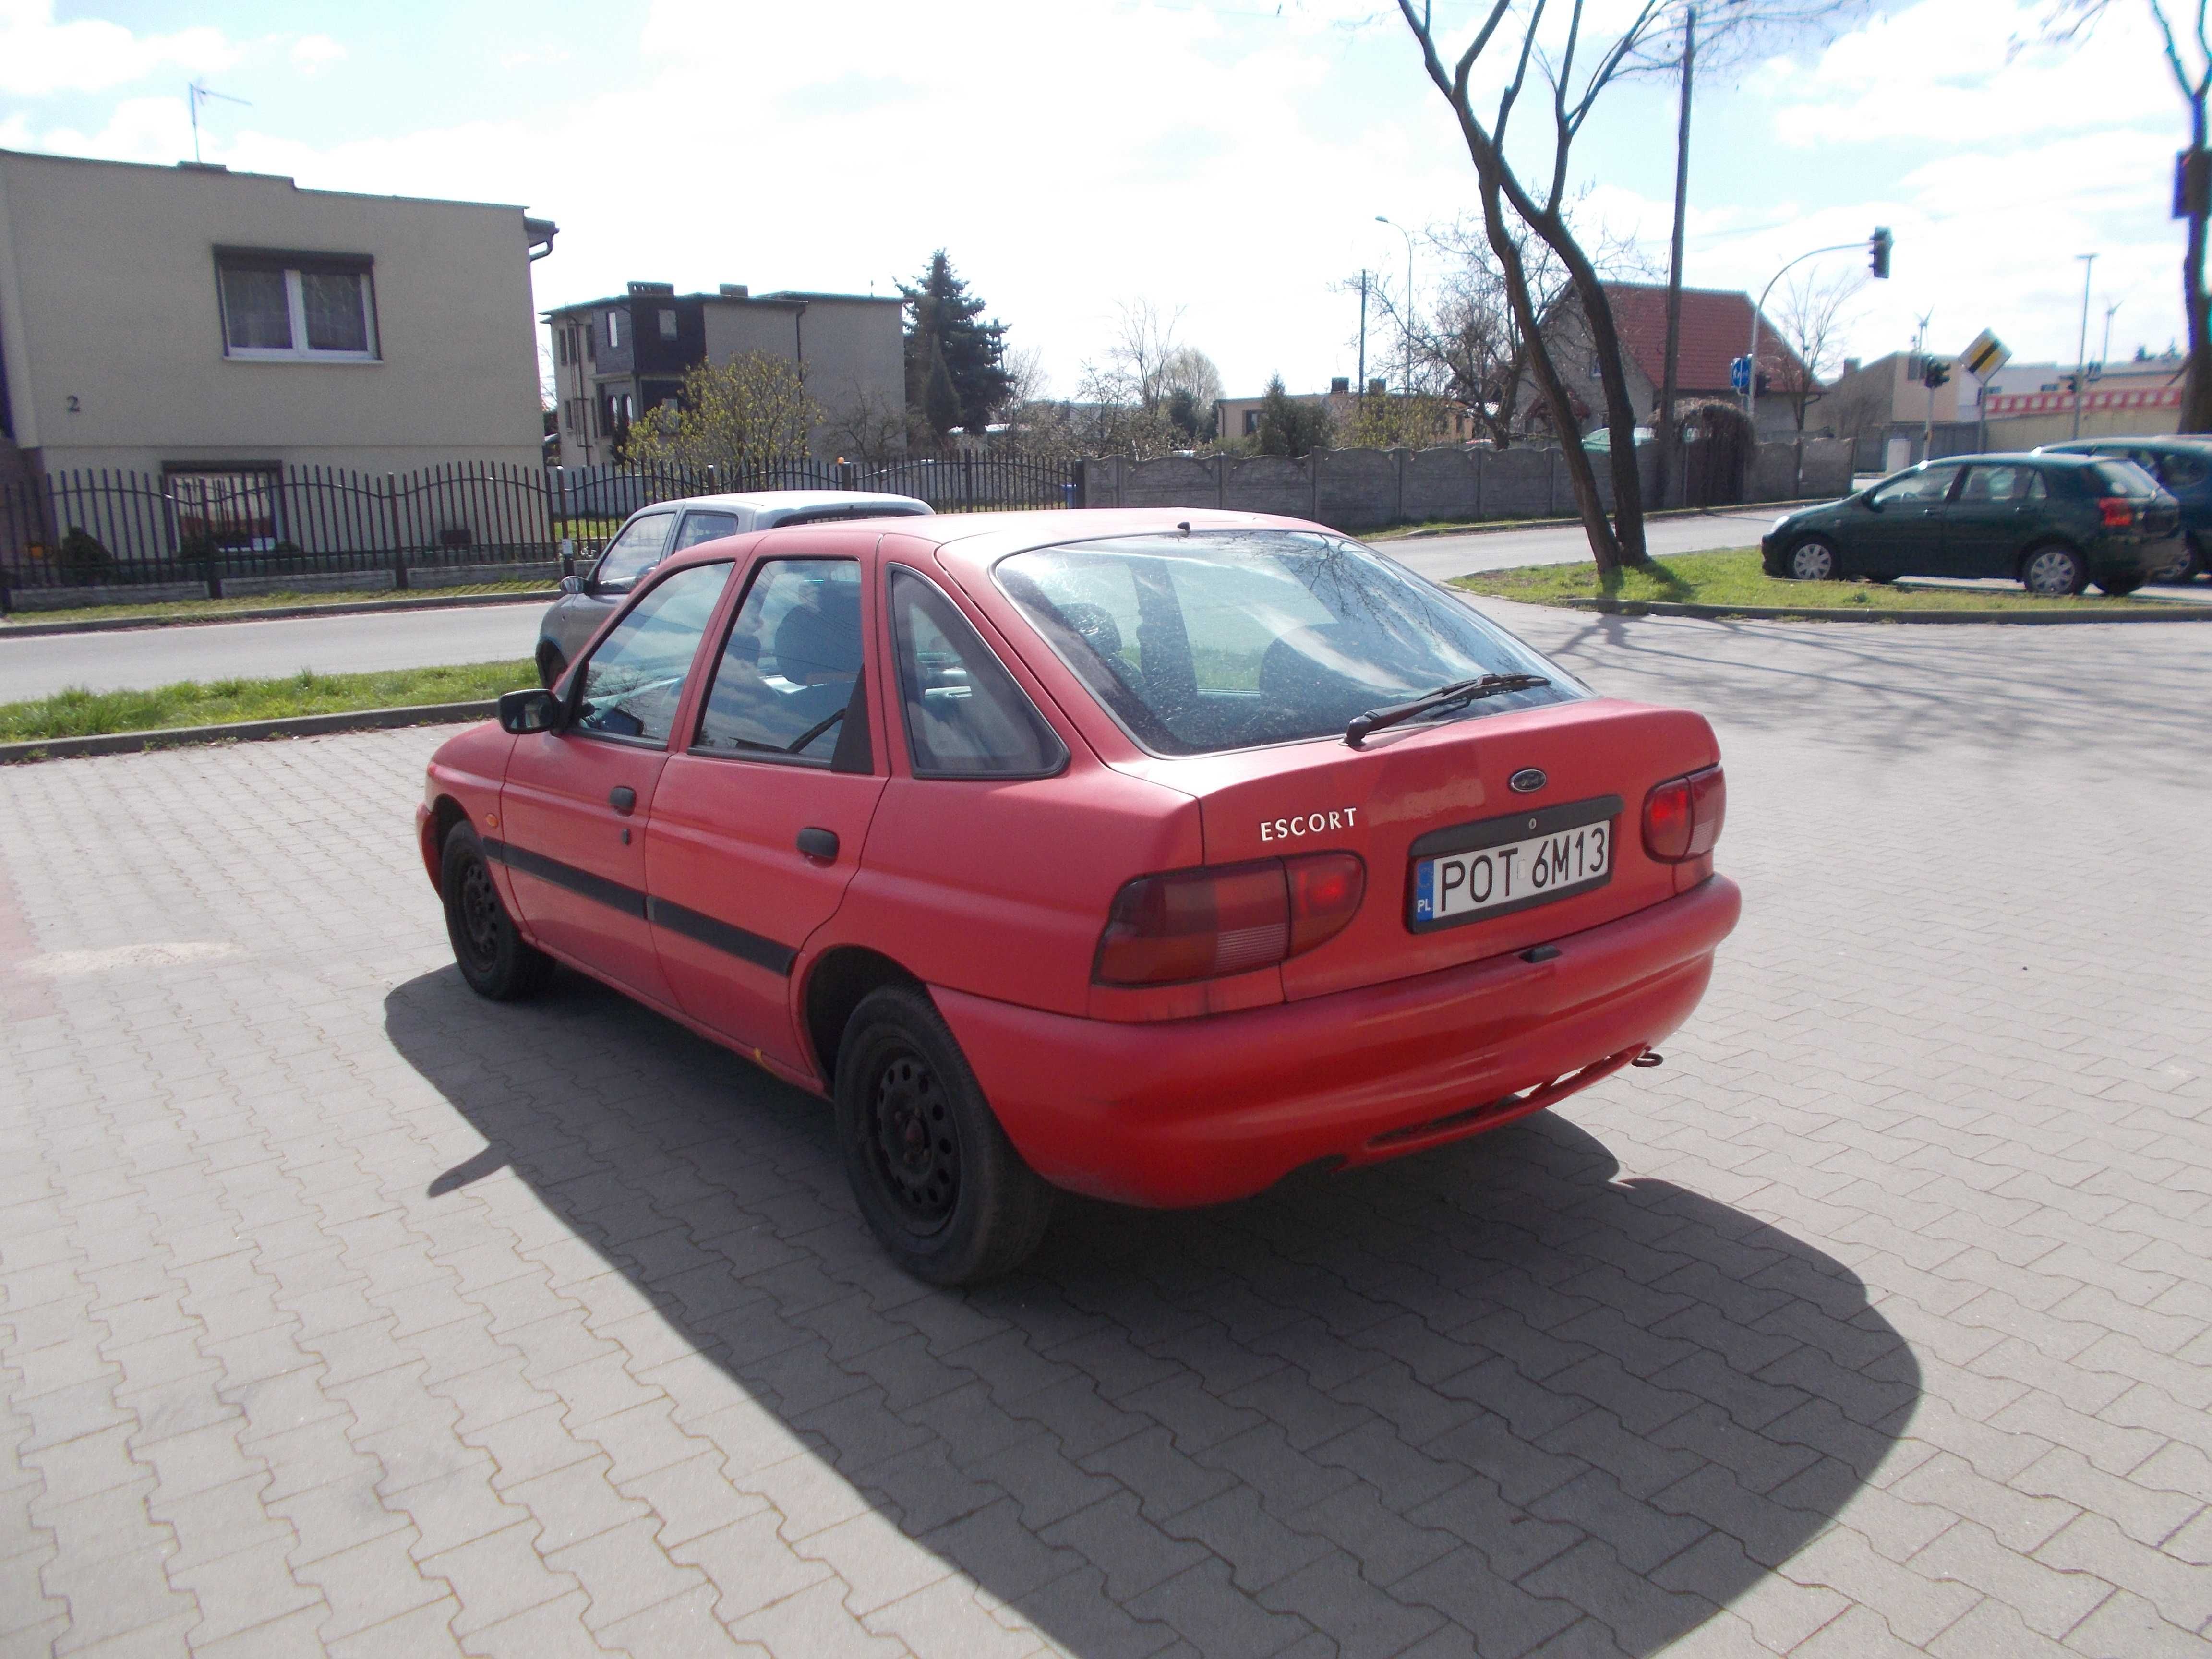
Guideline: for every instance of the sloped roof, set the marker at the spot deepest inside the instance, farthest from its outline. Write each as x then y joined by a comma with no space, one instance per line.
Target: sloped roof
1716,330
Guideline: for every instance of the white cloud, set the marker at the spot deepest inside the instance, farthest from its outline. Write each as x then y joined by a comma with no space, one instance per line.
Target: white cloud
41,58
311,53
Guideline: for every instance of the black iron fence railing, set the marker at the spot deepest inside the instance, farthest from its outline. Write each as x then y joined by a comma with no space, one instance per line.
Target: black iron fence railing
199,528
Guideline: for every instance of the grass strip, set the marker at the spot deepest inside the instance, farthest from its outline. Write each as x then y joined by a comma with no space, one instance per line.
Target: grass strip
77,713
1732,577
169,609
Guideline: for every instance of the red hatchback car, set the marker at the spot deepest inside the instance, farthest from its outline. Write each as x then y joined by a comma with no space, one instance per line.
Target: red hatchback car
1153,855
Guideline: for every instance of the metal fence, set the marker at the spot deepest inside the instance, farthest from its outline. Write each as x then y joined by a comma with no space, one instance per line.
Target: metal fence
201,528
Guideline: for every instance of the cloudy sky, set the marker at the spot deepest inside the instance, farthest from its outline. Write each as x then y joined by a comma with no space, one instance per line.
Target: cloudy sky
1224,157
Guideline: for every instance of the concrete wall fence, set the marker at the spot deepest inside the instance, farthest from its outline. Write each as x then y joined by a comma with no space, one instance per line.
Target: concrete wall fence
1368,488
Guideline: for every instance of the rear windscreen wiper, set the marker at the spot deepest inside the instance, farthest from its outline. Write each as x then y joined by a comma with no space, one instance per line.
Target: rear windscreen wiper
1457,694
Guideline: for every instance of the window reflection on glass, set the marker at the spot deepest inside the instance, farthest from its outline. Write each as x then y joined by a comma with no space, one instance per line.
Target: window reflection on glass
788,670
633,682
337,320
257,310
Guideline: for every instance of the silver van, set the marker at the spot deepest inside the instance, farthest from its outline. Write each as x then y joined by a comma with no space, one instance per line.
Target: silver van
652,534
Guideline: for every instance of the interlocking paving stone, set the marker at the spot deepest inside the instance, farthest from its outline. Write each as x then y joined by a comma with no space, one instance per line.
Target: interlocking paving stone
341,1311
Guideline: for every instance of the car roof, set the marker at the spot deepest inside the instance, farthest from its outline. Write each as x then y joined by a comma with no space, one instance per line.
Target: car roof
2012,457
794,501
970,542
2183,442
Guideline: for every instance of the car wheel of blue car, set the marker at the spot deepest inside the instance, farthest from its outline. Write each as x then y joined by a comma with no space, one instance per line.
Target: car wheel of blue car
1814,560
2178,568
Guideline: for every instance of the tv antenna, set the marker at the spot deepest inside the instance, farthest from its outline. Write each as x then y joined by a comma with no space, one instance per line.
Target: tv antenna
197,94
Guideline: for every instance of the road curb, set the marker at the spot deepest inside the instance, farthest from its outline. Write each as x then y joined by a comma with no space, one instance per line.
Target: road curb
2176,613
294,725
273,613
1503,526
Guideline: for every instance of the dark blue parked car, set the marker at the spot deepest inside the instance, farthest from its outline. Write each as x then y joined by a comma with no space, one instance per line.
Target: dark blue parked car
2184,466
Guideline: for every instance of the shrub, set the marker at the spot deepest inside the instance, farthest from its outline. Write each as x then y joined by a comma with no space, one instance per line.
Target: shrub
82,557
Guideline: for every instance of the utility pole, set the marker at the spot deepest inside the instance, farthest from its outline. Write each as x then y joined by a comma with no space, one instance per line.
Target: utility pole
1363,336
2104,356
1667,434
2082,347
1920,350
1406,321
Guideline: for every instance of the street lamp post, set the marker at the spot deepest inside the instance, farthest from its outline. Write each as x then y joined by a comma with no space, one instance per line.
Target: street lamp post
1406,319
1759,311
2082,347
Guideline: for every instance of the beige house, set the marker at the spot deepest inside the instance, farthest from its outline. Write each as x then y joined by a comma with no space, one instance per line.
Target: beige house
613,359
190,320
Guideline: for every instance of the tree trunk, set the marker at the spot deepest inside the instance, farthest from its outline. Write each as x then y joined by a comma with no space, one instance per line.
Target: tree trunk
1669,441
1619,407
1604,549
2196,377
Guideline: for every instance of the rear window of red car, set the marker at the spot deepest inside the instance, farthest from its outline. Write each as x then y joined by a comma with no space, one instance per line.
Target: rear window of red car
1232,639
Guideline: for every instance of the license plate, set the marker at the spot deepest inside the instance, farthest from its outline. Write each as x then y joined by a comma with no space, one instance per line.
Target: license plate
1478,871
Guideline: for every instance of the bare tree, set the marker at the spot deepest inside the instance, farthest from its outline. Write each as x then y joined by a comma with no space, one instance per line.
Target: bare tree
2186,49
873,428
1572,51
1811,320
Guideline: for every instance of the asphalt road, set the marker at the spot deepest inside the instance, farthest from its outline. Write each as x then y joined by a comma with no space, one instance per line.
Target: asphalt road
424,639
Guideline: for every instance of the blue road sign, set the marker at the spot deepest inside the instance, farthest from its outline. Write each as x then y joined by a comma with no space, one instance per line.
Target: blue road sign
1740,374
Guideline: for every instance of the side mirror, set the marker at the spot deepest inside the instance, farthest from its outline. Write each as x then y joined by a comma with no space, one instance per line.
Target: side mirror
533,710
572,585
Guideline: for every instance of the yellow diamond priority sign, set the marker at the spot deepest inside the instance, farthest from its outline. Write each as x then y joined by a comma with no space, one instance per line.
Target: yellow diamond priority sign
1985,356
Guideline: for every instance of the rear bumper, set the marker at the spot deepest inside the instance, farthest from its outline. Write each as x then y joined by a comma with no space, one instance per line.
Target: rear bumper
1199,1111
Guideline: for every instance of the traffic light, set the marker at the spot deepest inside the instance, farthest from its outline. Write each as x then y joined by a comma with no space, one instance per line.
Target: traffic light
1878,246
1937,373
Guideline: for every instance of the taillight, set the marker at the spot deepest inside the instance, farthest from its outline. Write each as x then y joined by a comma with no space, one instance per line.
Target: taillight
2119,512
1682,817
1230,919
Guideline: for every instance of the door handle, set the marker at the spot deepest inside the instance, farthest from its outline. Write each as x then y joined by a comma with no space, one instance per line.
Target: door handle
818,843
622,798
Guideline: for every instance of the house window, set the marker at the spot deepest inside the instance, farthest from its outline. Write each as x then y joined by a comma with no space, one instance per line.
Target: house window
561,346
614,331
226,510
1251,422
296,306
667,325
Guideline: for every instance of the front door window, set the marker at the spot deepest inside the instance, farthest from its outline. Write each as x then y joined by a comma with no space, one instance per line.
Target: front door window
631,554
631,686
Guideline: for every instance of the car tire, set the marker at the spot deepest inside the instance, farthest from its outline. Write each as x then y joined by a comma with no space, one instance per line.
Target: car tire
936,1179
494,958
2174,570
2053,572
1815,560
552,665
2119,588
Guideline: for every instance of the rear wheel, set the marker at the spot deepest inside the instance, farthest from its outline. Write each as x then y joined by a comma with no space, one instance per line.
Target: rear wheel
1814,560
494,958
2053,572
552,665
936,1178
2178,568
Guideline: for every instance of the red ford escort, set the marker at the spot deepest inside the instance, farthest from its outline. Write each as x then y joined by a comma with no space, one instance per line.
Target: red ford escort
1149,854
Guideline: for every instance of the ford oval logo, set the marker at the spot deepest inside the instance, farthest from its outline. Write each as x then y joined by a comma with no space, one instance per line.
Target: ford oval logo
1526,782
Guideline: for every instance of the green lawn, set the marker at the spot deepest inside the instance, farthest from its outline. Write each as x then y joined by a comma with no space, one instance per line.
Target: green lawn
77,713
173,609
1734,578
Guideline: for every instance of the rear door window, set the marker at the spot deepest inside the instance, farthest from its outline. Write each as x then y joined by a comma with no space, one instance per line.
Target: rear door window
791,668
704,527
1990,484
632,682
643,540
965,716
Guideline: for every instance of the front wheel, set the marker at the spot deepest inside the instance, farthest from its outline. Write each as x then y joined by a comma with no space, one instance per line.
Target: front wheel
2054,572
552,665
493,958
940,1184
1814,560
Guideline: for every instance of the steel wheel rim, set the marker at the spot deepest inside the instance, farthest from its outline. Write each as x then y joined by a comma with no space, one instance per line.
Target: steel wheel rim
480,916
913,1143
2051,572
1812,562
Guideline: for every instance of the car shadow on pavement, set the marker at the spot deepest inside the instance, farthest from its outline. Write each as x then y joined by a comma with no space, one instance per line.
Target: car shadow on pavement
1491,1387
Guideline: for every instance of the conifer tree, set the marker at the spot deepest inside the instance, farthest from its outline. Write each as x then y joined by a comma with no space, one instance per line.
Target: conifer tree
955,365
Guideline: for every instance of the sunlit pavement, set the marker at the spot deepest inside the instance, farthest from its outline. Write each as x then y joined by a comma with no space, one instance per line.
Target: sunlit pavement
342,1311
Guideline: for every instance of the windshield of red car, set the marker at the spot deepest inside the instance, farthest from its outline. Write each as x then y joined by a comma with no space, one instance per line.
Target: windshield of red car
1229,639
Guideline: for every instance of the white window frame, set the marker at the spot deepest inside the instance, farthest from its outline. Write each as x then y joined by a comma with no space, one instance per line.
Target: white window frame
296,303
667,323
614,331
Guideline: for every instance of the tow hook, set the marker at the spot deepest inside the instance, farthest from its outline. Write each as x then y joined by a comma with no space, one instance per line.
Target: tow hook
1649,1058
